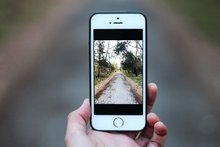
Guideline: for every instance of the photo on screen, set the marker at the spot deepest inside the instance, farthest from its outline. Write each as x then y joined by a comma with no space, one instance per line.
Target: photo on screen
118,71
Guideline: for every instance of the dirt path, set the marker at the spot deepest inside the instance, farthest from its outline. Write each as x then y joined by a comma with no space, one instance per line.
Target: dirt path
118,92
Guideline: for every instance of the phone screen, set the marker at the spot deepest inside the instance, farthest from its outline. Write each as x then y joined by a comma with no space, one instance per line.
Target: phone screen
118,71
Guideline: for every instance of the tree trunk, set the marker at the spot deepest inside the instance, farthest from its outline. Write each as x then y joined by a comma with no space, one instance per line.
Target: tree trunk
136,60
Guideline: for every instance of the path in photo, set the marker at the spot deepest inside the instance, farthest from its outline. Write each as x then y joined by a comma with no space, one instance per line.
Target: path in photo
118,92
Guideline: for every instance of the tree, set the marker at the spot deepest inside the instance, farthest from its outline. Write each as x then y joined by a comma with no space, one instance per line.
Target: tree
100,54
120,48
128,63
131,62
102,64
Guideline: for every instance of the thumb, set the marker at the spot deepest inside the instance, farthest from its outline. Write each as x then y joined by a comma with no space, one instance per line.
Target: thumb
78,119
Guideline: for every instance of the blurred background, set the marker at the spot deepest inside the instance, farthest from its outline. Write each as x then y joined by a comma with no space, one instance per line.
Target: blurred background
44,67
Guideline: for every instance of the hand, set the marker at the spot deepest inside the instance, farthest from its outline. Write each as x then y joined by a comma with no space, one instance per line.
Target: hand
153,135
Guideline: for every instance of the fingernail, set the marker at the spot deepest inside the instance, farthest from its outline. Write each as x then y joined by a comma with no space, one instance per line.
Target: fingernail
152,85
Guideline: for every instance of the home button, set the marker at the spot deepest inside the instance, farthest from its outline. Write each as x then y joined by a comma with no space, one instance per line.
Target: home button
118,122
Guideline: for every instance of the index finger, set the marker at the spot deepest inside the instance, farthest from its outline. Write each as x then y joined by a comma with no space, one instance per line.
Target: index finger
78,119
152,93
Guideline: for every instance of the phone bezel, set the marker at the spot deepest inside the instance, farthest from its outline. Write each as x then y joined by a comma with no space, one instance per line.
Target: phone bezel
136,122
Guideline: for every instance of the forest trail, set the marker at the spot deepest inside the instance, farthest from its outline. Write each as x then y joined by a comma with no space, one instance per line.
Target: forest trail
118,92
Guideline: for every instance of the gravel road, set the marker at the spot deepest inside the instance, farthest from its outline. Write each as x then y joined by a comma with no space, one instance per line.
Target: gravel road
118,92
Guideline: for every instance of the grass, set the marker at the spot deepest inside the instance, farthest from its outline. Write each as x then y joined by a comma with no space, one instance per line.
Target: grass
98,80
13,12
137,79
101,78
203,14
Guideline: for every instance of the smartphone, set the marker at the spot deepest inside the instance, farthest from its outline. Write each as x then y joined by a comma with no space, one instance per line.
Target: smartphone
118,71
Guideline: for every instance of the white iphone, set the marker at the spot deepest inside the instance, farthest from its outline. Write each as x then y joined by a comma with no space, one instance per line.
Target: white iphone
118,71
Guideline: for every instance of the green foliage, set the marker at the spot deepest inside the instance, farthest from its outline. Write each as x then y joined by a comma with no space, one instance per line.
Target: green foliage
128,63
103,68
104,73
131,63
136,79
98,80
120,47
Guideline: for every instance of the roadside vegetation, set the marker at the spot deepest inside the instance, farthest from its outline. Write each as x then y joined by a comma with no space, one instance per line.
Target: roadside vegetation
136,79
204,14
131,64
13,12
103,68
